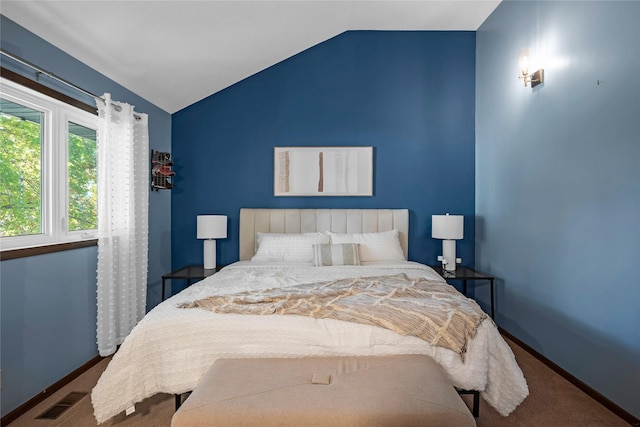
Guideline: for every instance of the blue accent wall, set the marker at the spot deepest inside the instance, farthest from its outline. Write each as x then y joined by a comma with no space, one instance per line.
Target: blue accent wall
410,95
558,185
48,302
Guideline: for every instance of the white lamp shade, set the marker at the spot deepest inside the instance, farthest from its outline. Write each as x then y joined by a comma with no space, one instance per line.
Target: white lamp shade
449,227
212,227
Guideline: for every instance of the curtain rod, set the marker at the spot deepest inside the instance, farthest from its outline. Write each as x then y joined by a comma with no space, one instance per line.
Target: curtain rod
49,74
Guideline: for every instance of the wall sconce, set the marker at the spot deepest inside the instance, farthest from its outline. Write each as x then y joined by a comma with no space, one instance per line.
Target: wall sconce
209,228
449,228
534,78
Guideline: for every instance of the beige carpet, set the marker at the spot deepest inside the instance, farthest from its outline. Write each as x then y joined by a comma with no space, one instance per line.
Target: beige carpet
553,402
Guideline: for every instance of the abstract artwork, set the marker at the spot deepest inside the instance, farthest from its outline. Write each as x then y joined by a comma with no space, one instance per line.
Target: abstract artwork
323,171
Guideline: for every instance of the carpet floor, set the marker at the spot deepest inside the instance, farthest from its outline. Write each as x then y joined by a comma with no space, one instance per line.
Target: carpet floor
553,402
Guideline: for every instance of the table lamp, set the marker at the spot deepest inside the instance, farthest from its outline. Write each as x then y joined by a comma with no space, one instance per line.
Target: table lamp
449,228
211,227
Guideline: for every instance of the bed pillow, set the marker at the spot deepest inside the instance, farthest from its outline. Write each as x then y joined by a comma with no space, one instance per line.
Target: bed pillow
340,254
288,247
383,246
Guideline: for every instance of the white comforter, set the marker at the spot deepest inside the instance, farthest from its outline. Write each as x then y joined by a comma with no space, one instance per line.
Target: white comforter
171,348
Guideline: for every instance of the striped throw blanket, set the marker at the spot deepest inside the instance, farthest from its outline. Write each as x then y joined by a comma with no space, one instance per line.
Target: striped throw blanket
431,310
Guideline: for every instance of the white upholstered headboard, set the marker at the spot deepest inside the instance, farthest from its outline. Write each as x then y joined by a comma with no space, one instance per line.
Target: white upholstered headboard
311,220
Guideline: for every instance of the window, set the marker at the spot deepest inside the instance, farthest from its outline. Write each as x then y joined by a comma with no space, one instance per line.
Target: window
48,175
81,170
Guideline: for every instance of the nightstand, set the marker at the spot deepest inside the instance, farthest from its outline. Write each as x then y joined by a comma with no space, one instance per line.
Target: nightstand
464,274
189,273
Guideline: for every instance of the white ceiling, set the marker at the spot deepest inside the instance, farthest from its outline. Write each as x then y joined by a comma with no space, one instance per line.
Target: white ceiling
174,53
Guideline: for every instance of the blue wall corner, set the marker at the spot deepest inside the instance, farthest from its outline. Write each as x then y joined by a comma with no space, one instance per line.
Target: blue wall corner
410,95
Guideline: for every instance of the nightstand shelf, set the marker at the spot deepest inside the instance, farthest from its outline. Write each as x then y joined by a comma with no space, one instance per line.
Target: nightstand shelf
189,273
465,274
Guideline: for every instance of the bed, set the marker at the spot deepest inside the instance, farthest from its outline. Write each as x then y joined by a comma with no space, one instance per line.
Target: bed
173,346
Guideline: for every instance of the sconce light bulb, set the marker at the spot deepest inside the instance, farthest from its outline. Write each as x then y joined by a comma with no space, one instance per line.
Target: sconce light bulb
523,61
523,64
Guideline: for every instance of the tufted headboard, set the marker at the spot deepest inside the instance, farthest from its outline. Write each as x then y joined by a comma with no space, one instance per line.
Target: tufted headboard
311,220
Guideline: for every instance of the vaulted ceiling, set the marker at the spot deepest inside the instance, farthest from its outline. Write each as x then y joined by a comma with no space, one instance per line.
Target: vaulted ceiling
174,53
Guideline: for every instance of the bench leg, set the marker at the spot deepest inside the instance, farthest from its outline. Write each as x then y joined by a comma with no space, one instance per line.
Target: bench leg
180,398
476,401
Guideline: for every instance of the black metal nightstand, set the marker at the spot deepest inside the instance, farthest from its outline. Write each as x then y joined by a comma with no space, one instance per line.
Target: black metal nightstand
464,274
189,273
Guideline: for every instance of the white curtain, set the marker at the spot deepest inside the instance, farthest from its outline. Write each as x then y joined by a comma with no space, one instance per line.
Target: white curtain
123,205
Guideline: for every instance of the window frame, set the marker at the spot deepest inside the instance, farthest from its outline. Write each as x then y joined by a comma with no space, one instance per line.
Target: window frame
54,164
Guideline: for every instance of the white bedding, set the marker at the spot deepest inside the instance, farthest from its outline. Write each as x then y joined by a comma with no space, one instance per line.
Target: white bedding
171,348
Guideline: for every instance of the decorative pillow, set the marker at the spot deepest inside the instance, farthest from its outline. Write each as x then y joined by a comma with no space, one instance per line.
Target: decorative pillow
341,254
383,246
288,247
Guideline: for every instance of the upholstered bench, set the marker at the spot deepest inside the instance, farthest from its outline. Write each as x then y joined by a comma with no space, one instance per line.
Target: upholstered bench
409,390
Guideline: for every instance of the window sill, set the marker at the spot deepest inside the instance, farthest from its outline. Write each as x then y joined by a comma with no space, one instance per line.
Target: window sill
48,249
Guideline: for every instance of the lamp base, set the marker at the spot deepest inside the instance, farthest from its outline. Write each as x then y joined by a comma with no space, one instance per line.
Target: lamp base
449,254
209,254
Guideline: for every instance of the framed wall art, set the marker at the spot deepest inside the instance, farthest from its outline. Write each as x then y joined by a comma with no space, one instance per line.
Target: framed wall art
323,171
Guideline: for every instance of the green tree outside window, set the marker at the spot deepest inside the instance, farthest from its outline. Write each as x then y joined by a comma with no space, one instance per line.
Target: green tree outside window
20,176
83,185
21,179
